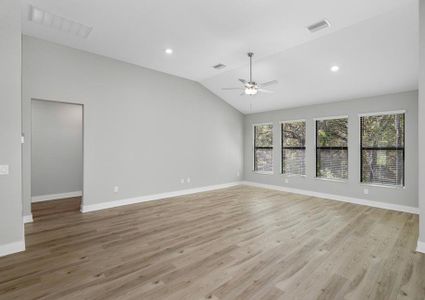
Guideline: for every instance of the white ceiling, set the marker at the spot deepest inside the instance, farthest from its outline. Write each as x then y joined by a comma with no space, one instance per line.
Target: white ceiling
374,41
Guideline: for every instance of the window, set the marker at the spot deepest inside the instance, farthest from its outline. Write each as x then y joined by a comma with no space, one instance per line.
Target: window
263,148
331,148
293,148
382,149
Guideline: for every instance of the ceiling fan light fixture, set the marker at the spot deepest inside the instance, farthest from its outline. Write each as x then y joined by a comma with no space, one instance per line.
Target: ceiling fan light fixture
251,91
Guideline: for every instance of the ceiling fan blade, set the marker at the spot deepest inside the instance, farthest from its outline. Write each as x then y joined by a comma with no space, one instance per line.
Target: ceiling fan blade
265,91
243,93
243,81
231,89
268,83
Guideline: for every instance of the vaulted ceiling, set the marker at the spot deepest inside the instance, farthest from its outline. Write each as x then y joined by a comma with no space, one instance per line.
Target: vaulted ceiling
375,43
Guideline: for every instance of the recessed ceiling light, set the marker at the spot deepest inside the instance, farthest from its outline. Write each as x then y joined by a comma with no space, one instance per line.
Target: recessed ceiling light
169,51
335,68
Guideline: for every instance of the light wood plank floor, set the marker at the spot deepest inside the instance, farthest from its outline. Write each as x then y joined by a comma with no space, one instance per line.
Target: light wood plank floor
236,243
54,207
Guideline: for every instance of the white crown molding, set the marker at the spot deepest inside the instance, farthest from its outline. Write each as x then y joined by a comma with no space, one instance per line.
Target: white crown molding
420,247
12,248
56,196
28,219
396,207
121,202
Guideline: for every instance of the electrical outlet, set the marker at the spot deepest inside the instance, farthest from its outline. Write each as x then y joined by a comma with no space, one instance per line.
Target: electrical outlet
188,180
238,173
4,170
182,180
116,189
286,180
366,191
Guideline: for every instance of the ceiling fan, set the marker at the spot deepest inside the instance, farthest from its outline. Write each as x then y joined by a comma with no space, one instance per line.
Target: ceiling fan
250,87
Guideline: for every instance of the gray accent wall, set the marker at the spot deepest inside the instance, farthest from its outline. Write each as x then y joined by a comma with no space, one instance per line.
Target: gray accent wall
407,196
56,148
11,226
421,111
144,130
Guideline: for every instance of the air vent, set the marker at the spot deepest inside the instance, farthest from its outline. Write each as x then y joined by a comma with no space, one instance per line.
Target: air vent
59,23
323,24
219,66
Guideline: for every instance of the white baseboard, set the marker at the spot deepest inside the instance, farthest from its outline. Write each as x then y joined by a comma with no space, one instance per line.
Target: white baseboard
28,219
116,203
403,208
56,196
420,247
12,248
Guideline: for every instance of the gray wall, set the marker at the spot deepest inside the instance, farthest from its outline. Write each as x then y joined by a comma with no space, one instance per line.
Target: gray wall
421,111
143,130
11,227
56,148
407,196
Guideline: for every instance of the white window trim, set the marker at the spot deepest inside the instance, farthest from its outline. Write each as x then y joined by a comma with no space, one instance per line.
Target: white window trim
331,118
387,186
337,180
382,113
293,121
315,149
281,148
264,172
253,148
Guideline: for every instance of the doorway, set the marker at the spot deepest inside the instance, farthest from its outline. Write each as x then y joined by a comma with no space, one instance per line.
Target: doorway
56,158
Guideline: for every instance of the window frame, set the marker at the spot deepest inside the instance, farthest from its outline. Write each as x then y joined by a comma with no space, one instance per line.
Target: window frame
340,180
254,148
377,184
296,148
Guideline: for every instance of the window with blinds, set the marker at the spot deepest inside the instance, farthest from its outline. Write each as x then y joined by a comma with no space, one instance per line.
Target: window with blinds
382,149
331,148
293,148
263,148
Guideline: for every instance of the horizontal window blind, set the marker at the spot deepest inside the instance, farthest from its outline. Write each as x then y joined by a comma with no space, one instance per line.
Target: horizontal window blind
263,148
293,148
331,148
382,149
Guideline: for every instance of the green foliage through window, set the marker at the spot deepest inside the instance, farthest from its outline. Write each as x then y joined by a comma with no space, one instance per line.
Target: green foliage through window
382,149
331,148
293,148
263,148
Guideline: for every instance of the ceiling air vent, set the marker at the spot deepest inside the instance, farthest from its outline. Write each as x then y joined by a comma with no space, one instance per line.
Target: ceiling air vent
323,24
219,66
59,23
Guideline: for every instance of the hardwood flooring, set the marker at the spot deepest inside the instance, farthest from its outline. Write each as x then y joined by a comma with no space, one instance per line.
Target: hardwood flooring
236,243
54,207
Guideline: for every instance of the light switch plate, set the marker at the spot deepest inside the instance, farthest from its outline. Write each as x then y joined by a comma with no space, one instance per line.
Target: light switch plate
286,180
4,170
366,191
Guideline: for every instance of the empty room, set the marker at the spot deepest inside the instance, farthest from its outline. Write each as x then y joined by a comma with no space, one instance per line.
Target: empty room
212,150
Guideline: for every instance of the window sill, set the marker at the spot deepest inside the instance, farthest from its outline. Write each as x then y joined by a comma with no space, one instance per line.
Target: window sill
264,172
385,186
332,180
293,175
